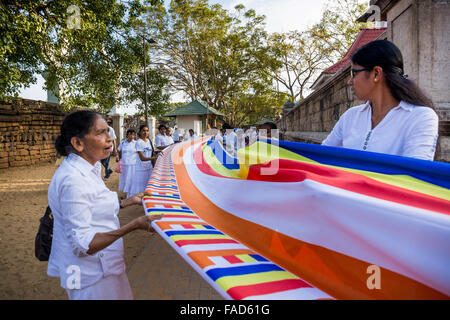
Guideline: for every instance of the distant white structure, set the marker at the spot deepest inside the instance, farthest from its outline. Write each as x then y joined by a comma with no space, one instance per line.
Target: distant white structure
129,109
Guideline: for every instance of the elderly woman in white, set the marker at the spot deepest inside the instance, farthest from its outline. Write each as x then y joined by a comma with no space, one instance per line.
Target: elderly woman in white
87,249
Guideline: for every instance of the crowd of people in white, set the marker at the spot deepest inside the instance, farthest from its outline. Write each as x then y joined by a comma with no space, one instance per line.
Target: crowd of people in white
137,157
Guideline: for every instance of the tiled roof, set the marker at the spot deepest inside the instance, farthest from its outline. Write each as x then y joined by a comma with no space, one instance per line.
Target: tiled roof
364,37
193,108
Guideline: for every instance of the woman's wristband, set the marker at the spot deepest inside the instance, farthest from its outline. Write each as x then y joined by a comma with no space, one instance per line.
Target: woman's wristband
121,204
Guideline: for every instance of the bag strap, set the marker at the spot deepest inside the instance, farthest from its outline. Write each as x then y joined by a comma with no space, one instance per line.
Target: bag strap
153,148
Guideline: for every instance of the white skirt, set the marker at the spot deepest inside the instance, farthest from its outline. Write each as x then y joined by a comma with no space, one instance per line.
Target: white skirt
139,181
115,287
126,177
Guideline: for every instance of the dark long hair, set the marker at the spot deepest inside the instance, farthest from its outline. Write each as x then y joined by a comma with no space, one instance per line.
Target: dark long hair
388,56
76,124
141,128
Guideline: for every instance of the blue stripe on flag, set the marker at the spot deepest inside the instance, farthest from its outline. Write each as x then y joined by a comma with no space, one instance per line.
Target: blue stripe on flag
236,271
163,187
222,156
185,232
434,172
169,210
257,257
164,196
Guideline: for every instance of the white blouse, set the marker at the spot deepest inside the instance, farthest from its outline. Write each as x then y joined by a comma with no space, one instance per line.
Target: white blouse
129,154
146,149
82,205
162,141
407,130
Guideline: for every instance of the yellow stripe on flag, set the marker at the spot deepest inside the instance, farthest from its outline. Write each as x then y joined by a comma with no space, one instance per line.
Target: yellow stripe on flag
245,258
248,279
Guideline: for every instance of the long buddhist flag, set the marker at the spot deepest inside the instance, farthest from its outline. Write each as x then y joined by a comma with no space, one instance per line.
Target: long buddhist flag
289,220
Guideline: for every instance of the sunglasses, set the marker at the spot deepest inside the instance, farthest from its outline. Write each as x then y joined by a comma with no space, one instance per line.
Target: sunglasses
353,72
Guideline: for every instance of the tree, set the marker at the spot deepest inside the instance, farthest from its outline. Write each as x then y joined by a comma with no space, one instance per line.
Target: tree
212,55
298,57
249,108
338,27
84,48
157,98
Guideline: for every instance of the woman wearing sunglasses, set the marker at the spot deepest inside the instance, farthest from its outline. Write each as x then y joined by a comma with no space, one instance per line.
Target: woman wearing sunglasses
397,117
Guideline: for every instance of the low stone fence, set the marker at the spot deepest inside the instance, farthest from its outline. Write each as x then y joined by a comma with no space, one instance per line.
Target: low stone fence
28,130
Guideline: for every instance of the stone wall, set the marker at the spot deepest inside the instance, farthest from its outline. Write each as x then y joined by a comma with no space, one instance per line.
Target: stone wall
419,29
313,119
28,130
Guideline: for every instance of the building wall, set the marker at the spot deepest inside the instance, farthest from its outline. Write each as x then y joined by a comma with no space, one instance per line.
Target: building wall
318,113
28,130
188,122
420,29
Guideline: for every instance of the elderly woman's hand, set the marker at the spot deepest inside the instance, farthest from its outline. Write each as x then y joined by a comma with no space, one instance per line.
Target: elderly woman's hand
136,199
144,222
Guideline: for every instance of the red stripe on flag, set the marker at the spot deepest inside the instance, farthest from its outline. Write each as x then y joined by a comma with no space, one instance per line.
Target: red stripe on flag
241,292
232,259
165,200
292,171
203,165
181,243
187,226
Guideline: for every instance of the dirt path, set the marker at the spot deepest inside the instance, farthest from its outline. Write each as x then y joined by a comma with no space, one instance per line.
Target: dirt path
22,202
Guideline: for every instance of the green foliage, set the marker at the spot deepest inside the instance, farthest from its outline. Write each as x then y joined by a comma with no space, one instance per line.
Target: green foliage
225,58
84,53
157,98
338,27
215,56
299,57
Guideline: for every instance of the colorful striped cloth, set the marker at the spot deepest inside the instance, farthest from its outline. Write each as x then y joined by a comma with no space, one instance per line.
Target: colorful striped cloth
297,221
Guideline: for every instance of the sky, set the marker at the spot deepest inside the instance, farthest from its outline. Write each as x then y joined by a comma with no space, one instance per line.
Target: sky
281,16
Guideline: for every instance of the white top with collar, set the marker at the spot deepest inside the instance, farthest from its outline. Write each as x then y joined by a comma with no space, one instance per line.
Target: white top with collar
82,205
231,141
407,130
129,154
162,141
146,149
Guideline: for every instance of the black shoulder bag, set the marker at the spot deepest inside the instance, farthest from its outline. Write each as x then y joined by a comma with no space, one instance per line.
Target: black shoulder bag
44,236
153,152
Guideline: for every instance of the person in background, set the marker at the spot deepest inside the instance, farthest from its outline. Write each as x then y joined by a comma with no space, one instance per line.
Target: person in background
105,162
266,130
176,135
169,136
229,139
128,158
240,138
162,141
192,135
144,167
87,248
397,118
251,136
